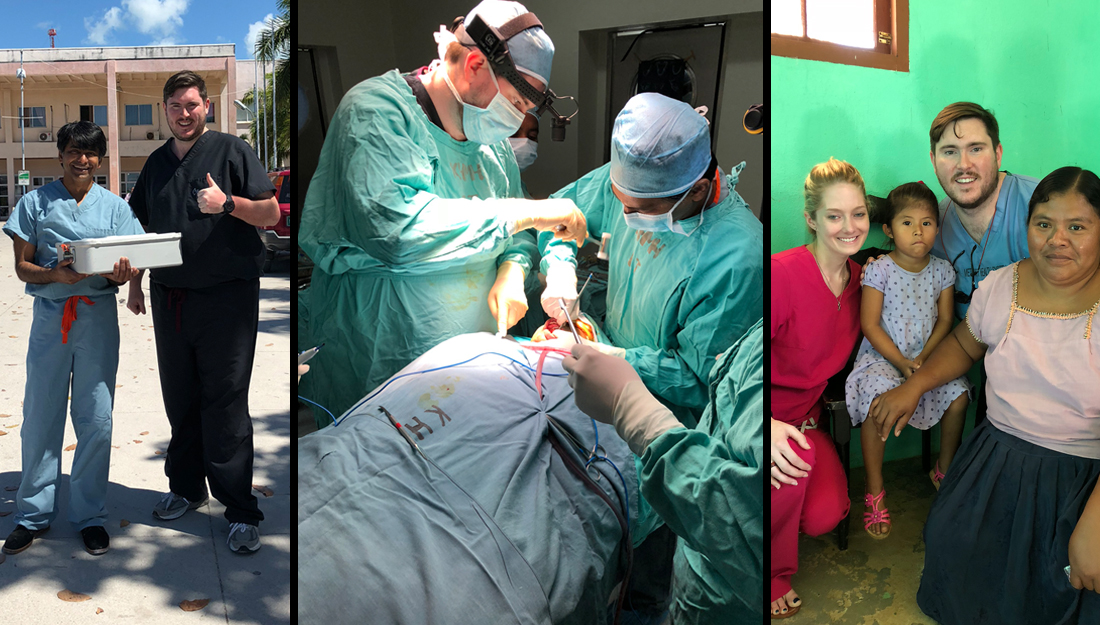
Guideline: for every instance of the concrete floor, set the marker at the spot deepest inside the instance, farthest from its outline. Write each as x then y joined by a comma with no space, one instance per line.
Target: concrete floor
873,582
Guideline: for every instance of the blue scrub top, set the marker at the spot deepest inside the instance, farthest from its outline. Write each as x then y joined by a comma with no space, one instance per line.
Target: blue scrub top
1004,243
49,215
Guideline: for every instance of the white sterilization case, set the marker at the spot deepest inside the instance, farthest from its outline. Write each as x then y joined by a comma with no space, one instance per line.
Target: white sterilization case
144,251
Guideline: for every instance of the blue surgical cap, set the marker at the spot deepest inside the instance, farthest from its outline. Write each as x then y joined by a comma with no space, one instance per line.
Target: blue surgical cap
659,147
531,50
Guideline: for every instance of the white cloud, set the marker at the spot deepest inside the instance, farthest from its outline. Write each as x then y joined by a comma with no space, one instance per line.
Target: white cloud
254,34
153,17
99,30
159,19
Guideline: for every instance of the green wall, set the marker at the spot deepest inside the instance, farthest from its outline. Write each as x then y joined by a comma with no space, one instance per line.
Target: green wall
1036,69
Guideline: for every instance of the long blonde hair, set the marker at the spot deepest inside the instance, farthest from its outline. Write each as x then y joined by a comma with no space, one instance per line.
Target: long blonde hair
824,175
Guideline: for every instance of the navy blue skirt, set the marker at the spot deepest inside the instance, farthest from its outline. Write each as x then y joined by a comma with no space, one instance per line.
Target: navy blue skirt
997,537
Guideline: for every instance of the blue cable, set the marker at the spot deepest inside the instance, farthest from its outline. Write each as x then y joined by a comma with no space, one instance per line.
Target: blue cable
404,375
626,493
319,406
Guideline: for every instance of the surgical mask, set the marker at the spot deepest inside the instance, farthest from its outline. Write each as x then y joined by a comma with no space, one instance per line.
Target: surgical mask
492,124
663,222
526,151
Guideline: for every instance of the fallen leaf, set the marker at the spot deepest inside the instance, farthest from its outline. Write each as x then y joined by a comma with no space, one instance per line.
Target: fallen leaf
72,597
118,386
11,489
265,491
4,415
71,447
12,336
5,513
144,434
99,610
152,369
159,452
116,446
192,605
12,426
137,442
123,523
269,345
2,433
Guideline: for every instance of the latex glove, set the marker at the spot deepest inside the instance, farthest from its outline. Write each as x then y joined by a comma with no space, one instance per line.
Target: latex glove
302,369
561,283
507,299
609,390
565,340
557,215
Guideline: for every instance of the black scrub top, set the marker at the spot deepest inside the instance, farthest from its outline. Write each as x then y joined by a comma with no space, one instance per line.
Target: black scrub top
215,248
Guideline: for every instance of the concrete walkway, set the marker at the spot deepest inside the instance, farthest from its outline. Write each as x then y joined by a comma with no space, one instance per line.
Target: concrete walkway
153,565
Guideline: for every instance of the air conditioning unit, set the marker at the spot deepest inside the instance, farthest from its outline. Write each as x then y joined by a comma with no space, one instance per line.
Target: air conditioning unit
45,136
150,136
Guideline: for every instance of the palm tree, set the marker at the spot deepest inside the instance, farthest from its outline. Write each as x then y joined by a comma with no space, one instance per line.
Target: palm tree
273,44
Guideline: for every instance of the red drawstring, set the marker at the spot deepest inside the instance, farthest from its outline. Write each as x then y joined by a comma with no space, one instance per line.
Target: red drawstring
69,316
542,359
179,295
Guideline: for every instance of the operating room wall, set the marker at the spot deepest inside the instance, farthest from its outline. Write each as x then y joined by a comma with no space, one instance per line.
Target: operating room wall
360,32
559,164
1034,68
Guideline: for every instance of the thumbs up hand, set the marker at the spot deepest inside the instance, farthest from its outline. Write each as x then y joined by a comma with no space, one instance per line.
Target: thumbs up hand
211,198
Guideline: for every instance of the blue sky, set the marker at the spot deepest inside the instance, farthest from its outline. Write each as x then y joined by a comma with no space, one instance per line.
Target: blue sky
134,23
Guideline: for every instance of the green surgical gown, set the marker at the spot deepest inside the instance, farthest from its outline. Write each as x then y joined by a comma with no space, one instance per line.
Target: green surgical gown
406,229
674,302
707,485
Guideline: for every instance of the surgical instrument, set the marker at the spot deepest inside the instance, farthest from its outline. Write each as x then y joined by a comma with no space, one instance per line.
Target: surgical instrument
304,357
572,326
402,430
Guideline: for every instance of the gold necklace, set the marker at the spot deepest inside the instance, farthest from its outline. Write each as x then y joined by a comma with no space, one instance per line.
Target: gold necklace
827,284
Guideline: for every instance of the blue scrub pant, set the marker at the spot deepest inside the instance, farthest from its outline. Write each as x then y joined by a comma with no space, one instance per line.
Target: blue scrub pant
90,361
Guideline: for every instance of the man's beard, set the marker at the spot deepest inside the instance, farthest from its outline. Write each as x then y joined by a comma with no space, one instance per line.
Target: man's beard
199,126
987,190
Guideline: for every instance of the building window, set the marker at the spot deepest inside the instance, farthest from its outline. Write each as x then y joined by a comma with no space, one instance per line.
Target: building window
210,114
41,181
4,194
866,33
128,180
139,114
95,114
101,181
33,117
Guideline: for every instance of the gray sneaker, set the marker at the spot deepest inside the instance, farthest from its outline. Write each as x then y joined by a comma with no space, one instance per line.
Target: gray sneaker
243,538
172,506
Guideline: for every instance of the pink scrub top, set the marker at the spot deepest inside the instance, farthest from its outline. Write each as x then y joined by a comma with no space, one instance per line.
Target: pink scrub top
1043,368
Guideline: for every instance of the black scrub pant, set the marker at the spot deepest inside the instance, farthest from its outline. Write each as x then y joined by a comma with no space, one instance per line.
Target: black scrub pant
206,341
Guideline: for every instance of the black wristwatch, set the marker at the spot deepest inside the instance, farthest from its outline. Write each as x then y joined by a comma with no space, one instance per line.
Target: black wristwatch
229,205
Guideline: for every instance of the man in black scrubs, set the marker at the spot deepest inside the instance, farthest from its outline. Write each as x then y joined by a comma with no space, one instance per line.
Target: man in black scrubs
210,187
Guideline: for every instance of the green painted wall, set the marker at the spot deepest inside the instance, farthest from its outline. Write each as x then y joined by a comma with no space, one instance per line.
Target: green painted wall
1035,68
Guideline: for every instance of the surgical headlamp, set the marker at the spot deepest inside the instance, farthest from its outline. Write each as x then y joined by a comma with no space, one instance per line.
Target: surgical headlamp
492,43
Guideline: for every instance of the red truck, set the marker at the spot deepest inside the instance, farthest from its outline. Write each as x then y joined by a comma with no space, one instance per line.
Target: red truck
277,238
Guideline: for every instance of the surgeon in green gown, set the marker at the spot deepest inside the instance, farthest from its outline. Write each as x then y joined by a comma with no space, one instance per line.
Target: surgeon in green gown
706,482
414,218
685,273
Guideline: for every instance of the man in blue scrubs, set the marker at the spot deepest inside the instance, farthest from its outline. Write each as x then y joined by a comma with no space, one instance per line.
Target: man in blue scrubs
74,335
984,216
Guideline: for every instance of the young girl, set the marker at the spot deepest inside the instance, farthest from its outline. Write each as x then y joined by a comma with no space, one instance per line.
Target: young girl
906,311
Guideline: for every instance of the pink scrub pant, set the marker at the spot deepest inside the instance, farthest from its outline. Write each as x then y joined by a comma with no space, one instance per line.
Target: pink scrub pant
814,507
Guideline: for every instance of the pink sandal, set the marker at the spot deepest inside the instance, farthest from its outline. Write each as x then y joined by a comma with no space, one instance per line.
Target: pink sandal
876,515
936,476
